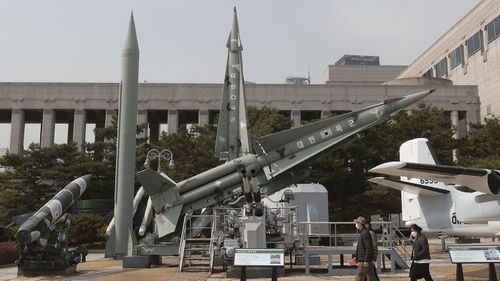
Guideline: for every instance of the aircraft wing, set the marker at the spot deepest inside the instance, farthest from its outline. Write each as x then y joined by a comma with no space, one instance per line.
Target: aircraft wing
409,187
483,180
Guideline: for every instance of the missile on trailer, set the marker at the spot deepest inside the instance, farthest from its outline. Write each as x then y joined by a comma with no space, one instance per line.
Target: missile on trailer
38,226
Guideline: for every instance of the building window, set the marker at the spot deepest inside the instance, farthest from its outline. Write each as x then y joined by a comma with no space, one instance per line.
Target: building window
456,57
493,29
473,44
441,68
428,74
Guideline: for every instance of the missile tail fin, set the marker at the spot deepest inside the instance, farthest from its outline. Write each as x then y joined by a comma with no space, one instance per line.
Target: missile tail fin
159,187
20,219
166,221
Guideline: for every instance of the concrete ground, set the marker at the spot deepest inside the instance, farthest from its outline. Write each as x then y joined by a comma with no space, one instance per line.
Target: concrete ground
98,268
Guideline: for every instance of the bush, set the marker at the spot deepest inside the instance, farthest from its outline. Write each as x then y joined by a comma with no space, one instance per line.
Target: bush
86,228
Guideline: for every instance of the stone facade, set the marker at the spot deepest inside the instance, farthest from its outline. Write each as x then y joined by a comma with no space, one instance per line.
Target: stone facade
177,105
480,67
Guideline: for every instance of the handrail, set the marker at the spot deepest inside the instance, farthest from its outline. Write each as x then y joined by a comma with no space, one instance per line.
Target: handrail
211,247
182,246
394,232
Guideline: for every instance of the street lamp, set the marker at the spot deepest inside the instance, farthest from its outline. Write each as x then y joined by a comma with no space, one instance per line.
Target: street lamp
165,154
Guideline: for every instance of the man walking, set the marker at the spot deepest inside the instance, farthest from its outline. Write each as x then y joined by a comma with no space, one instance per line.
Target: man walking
364,252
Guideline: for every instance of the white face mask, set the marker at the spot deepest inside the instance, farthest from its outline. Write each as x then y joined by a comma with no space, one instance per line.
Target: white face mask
414,234
358,226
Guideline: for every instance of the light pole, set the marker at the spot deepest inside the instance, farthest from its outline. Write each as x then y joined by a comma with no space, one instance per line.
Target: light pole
165,154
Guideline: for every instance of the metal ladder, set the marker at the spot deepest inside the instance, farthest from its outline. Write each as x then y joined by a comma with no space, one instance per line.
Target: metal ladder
194,248
394,239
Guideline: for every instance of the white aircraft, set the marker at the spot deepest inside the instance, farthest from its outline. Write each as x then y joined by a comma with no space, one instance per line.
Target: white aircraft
442,199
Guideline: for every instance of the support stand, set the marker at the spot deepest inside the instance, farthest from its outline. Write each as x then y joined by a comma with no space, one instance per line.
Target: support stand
274,274
243,276
493,272
459,272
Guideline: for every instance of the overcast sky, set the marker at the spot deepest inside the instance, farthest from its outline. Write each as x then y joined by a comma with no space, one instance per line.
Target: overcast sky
184,40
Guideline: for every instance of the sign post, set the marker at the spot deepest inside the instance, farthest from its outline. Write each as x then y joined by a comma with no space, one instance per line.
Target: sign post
489,254
259,257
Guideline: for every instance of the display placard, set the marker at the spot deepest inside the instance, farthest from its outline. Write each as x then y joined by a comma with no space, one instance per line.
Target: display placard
259,257
474,254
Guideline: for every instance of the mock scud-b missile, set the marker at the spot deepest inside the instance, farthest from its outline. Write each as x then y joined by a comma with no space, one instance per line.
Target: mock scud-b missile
126,141
38,226
280,159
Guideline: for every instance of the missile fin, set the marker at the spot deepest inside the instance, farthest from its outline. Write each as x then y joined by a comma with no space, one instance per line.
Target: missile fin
154,182
20,219
160,188
166,221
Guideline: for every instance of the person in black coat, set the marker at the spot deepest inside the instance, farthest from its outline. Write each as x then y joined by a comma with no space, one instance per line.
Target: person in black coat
364,252
420,255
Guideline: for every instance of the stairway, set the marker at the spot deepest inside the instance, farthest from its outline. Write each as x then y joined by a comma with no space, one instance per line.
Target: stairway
395,240
196,249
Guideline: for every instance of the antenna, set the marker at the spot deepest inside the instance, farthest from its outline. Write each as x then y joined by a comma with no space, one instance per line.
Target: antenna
309,75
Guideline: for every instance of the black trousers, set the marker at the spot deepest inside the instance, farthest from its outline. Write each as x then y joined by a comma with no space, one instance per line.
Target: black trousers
420,270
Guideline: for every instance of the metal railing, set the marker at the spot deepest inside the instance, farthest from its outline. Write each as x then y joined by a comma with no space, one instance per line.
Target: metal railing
338,232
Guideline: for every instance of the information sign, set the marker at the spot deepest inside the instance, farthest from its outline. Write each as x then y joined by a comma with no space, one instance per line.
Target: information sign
259,257
474,254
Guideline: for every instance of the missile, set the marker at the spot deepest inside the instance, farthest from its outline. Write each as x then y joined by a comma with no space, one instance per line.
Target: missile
280,159
125,156
232,139
38,226
135,204
148,216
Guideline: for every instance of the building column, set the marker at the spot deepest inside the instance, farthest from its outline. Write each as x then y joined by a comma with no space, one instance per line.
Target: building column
202,117
48,127
295,115
108,118
79,124
485,45
472,117
173,121
456,135
142,118
16,131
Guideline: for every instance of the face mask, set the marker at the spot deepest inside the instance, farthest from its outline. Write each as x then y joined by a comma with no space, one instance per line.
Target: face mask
413,234
358,226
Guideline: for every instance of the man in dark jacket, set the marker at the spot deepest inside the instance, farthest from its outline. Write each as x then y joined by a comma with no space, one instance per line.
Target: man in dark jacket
364,252
420,255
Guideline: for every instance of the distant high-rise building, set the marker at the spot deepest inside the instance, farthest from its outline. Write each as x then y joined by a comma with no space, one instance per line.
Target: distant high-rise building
358,60
361,69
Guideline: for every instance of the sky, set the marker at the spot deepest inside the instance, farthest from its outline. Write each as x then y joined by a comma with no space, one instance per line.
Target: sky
184,41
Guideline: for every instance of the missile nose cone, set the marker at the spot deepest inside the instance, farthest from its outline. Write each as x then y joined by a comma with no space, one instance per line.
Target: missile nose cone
23,237
87,178
234,43
235,30
131,46
413,98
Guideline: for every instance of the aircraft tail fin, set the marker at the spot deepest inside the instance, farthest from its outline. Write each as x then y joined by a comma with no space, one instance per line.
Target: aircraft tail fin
417,151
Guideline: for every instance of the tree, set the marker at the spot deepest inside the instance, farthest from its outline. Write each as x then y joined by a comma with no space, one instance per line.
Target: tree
36,175
481,147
